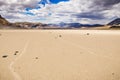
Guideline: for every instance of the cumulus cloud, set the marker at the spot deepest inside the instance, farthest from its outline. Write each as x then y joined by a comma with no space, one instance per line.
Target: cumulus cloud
20,3
14,9
82,11
106,3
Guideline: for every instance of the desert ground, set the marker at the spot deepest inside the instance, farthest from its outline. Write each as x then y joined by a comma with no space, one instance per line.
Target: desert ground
59,55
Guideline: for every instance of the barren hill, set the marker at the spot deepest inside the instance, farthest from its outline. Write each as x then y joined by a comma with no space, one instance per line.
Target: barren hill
115,22
3,21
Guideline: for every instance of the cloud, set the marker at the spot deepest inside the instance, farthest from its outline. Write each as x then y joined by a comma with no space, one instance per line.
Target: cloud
2,3
83,11
92,15
15,9
63,11
106,3
20,3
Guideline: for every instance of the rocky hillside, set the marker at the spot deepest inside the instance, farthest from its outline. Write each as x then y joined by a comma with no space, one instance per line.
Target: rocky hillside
4,24
115,22
3,21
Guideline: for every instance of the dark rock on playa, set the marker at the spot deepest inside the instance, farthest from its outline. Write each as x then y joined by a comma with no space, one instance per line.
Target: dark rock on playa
60,35
16,52
113,73
36,58
4,56
88,33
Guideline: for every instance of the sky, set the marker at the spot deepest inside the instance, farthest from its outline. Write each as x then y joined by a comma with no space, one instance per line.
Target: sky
57,11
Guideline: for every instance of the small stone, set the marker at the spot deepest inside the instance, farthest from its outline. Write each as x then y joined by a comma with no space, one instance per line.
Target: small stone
88,33
60,35
5,56
16,52
113,73
36,58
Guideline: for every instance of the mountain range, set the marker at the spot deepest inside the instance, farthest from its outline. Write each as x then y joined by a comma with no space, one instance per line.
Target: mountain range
62,25
74,25
3,21
115,22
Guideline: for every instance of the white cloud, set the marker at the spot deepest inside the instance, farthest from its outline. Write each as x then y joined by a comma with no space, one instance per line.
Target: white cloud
14,10
63,11
113,12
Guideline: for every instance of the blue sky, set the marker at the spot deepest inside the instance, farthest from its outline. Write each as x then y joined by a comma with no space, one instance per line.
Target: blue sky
44,2
52,1
57,1
57,11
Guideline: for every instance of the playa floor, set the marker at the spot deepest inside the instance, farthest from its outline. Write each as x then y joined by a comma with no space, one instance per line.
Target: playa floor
59,55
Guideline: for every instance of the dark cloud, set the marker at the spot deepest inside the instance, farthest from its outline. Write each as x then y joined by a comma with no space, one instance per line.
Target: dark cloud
106,3
90,15
98,7
73,10
12,17
2,3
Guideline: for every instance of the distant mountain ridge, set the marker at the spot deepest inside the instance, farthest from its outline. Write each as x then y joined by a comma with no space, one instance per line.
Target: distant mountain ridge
115,22
74,25
3,21
62,25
